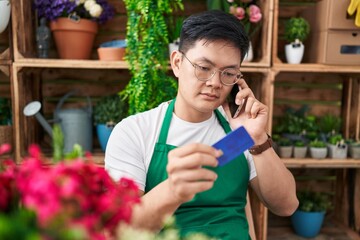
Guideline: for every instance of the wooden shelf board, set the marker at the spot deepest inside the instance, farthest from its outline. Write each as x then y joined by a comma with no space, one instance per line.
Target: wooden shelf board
321,163
96,64
312,67
60,63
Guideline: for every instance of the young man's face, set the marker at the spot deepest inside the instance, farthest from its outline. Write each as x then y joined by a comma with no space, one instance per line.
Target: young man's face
196,98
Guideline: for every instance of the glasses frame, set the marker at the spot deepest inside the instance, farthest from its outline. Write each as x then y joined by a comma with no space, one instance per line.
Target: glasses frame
213,73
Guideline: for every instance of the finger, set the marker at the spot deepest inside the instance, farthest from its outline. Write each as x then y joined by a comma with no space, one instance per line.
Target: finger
243,94
255,109
249,104
190,189
194,160
194,175
192,148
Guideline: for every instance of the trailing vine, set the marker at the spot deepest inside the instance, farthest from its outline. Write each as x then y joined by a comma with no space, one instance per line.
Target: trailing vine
147,42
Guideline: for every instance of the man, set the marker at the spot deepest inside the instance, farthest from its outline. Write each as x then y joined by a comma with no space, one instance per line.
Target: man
168,152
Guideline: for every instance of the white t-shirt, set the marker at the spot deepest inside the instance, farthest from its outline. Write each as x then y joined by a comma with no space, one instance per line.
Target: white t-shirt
131,143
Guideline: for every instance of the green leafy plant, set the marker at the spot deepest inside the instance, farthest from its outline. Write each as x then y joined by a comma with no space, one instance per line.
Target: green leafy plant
5,111
174,27
317,144
296,121
110,110
284,142
338,140
147,44
296,28
329,123
299,144
310,201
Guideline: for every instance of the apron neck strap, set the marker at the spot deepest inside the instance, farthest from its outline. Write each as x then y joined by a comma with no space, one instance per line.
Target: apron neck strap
166,123
222,121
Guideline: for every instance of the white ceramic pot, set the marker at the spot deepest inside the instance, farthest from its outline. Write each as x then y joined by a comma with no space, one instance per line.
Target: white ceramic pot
318,153
294,52
300,152
5,10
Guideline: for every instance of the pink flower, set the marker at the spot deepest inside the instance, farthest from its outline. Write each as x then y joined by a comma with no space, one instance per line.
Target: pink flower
5,148
240,13
254,13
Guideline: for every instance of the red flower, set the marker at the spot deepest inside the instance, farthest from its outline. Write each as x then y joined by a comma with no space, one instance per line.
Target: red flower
69,195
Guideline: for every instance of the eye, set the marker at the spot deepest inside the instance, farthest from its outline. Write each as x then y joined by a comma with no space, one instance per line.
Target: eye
202,68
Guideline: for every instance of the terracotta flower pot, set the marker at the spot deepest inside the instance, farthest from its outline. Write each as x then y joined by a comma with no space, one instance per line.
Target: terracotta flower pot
74,39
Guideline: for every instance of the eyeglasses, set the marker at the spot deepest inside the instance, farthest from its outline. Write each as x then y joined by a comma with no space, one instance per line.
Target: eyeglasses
228,76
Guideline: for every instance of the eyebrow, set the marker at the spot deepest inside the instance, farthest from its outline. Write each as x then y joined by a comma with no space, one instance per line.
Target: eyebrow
212,63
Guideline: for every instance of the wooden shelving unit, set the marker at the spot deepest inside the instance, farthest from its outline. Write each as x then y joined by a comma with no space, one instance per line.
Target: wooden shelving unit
44,79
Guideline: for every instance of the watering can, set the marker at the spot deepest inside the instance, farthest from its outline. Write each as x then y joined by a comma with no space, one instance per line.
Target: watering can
76,123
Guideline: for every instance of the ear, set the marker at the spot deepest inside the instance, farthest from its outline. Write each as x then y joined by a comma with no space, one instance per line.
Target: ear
175,61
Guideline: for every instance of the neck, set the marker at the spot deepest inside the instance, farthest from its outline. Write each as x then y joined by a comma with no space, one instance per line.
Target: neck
189,114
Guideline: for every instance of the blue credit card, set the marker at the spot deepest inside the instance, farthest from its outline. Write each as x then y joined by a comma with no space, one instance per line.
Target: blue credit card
233,145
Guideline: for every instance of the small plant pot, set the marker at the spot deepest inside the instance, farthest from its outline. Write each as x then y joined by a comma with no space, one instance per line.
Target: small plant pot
285,151
300,152
354,151
337,152
103,132
112,51
318,153
307,224
294,52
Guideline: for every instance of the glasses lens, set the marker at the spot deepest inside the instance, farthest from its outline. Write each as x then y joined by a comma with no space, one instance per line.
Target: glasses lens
203,73
230,76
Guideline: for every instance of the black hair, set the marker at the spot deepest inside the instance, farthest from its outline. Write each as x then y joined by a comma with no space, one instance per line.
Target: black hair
211,26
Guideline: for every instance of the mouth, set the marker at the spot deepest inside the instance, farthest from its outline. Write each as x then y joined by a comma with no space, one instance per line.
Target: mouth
209,95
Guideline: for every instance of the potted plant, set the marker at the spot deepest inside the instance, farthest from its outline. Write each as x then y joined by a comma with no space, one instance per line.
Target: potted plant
248,12
300,149
285,147
108,111
308,218
74,24
318,149
353,148
337,147
5,10
297,30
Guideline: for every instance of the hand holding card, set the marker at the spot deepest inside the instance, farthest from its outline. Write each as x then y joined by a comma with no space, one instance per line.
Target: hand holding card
233,145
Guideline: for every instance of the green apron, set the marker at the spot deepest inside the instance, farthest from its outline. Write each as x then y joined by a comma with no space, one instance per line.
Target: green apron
218,212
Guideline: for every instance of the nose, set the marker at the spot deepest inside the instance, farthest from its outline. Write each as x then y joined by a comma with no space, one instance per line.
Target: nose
215,81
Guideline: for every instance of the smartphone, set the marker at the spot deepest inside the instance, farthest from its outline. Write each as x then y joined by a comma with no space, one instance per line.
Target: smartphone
234,108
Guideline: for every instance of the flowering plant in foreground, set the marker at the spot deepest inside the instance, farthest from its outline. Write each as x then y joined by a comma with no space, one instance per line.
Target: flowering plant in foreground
96,10
248,12
69,200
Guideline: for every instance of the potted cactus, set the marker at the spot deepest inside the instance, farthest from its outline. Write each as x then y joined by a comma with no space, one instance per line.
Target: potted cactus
108,111
318,149
337,147
300,149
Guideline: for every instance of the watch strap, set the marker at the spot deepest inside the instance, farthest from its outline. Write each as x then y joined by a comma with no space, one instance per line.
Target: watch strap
257,149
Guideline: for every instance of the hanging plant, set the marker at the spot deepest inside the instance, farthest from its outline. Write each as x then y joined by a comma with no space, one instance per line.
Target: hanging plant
147,42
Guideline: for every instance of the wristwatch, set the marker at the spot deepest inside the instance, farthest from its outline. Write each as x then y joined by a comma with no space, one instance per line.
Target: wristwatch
257,149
